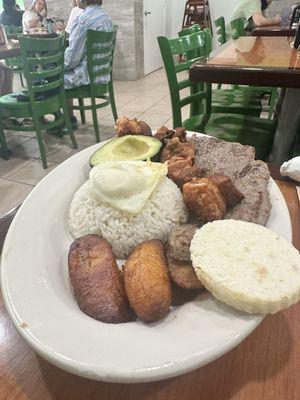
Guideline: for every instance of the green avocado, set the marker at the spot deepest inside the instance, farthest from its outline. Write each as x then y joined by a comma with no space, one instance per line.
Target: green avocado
129,147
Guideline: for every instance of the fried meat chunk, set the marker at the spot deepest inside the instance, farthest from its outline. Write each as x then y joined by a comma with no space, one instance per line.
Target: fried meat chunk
125,126
182,170
204,198
164,133
175,148
147,282
96,280
231,194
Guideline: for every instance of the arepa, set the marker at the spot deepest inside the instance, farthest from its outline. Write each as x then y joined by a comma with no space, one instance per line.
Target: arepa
247,266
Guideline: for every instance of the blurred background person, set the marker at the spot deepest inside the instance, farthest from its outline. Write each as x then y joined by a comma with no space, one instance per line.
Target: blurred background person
76,11
255,13
11,14
33,17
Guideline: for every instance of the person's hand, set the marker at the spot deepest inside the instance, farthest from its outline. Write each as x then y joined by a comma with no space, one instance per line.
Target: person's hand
43,13
277,19
58,26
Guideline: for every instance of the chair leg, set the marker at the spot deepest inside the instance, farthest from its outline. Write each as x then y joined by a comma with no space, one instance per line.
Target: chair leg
21,79
39,136
82,112
4,151
95,120
112,100
67,120
272,104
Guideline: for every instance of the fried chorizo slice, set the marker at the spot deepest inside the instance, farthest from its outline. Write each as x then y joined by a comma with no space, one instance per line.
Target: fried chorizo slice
231,194
204,199
147,282
182,273
96,280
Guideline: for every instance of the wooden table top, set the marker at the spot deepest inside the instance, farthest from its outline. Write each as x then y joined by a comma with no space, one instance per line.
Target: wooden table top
273,30
9,50
259,61
264,366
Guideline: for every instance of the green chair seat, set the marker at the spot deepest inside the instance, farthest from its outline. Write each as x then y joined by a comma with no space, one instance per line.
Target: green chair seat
247,130
84,92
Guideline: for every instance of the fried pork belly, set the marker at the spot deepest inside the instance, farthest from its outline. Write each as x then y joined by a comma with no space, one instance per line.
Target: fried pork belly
231,194
125,126
204,199
164,133
175,148
182,170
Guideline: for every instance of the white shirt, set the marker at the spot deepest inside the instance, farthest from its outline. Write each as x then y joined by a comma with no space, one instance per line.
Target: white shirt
27,17
76,11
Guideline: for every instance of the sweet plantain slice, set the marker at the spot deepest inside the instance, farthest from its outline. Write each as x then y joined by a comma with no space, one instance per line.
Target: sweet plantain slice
147,283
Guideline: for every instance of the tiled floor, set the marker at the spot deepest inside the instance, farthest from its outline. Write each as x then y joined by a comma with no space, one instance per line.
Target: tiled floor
146,99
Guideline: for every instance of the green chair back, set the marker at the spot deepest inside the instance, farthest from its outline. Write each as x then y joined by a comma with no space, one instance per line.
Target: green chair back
188,31
221,30
100,54
195,44
43,64
238,27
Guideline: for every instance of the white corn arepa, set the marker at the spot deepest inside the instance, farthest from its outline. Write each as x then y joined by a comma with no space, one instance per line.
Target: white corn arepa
247,266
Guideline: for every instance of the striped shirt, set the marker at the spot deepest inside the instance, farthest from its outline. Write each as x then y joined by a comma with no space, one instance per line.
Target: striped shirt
76,71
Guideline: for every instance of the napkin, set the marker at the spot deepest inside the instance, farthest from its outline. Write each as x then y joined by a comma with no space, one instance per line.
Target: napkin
291,168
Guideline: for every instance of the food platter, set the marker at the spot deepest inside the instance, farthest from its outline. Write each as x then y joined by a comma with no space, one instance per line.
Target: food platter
38,296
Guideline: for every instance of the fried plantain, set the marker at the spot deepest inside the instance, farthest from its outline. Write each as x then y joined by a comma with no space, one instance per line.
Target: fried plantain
96,280
147,282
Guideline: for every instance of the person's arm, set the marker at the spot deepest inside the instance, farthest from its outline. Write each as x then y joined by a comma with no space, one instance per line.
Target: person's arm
31,20
260,20
77,46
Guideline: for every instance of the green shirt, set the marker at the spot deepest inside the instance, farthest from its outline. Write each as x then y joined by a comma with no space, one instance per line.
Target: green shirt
246,9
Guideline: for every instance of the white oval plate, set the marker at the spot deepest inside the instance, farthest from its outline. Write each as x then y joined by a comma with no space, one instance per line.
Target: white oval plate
39,299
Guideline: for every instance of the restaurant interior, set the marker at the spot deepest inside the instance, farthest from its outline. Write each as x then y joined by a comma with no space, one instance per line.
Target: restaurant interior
165,133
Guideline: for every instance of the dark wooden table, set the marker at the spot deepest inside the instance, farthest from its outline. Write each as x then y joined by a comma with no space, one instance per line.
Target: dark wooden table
273,30
265,366
9,50
260,61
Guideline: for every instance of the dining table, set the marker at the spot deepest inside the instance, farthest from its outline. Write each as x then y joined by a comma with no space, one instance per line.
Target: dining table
264,366
9,50
260,61
274,30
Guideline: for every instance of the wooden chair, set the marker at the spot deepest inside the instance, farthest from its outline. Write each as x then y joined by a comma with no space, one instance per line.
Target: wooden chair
196,12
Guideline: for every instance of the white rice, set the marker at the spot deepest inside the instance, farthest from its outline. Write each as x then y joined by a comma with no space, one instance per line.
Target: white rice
124,231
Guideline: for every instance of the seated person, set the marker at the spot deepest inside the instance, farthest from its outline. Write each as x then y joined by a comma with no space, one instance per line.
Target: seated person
34,17
254,11
11,14
76,11
76,72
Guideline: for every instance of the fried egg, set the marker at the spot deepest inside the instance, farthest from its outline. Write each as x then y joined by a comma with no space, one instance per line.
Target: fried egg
125,185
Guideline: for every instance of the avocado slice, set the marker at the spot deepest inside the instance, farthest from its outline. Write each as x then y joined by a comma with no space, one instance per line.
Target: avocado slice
129,147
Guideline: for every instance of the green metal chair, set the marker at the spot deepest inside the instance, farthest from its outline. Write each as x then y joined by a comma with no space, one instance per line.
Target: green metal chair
14,63
239,101
245,129
221,30
43,61
100,53
238,30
